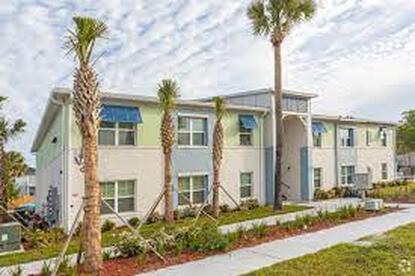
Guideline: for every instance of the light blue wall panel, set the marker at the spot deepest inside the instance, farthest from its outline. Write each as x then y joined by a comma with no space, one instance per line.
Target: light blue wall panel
269,175
306,171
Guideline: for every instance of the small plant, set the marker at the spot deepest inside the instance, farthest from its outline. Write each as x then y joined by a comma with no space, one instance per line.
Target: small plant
129,245
46,270
155,217
134,222
224,208
260,230
106,255
250,204
108,225
18,271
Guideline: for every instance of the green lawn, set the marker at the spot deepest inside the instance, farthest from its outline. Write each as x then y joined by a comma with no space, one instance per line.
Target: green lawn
388,255
108,238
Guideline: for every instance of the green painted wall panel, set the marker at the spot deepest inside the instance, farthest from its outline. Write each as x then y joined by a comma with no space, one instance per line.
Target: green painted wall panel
231,128
49,151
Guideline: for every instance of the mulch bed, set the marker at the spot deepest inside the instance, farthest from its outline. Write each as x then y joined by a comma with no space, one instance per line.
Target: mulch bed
132,266
402,199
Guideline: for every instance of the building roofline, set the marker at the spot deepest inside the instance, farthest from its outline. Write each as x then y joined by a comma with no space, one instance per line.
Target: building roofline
288,92
64,94
348,119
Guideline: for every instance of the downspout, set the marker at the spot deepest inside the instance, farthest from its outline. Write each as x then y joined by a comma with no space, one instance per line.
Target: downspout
336,153
64,189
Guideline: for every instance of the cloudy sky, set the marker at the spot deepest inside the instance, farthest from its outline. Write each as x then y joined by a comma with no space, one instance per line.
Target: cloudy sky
358,55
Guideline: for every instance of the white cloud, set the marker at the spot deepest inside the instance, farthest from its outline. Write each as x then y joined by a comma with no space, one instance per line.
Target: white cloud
351,53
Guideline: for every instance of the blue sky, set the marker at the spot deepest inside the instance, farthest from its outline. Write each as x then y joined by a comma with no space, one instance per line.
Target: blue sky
358,55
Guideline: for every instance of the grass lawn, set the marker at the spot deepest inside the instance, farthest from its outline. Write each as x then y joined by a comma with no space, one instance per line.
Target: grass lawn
108,237
404,193
387,255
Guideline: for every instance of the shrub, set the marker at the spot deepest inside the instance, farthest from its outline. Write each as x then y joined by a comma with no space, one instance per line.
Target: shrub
320,194
129,245
17,272
106,255
202,238
134,222
43,238
108,225
250,204
224,208
154,217
46,270
260,230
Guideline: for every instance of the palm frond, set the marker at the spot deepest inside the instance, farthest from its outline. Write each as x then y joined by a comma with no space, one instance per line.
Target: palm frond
220,107
17,127
2,99
168,92
81,40
259,19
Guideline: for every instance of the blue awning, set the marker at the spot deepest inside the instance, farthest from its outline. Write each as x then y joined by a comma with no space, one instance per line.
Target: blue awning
247,121
122,114
319,127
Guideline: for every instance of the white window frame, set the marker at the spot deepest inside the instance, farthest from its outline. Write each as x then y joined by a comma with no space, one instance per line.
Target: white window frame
384,171
191,132
249,133
205,175
383,136
320,179
343,139
117,131
116,197
251,185
346,176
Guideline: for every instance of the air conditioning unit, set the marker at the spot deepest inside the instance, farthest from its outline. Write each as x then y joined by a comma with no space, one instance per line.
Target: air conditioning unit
374,204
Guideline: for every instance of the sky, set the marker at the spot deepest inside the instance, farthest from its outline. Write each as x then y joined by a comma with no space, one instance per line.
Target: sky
357,55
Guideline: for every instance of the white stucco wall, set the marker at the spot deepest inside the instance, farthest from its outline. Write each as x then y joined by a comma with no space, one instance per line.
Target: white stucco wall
324,158
373,157
237,160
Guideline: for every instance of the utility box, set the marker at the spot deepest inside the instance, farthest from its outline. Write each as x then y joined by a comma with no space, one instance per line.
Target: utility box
374,204
10,237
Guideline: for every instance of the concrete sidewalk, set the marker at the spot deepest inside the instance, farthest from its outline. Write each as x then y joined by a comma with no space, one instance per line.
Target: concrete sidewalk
249,259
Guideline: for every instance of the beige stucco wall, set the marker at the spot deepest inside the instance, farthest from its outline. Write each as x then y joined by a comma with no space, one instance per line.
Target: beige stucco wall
324,158
295,138
237,160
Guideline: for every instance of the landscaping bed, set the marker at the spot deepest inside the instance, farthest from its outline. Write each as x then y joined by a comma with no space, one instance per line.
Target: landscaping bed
42,245
389,254
394,192
213,243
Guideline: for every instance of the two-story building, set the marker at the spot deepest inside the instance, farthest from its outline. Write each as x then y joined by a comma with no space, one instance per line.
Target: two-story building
130,159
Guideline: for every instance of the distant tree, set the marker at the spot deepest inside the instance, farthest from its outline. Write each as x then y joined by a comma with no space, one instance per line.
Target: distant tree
275,19
86,106
217,156
405,136
168,92
8,131
14,166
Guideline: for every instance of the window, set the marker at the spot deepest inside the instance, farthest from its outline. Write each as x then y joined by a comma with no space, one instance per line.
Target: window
245,136
192,131
383,136
347,175
384,171
368,137
120,195
317,177
193,188
346,136
111,133
246,185
317,140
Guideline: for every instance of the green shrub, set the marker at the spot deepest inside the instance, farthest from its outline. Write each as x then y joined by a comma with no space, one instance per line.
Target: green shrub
106,255
260,230
129,245
224,208
250,204
134,222
46,269
154,217
108,225
42,238
203,238
18,271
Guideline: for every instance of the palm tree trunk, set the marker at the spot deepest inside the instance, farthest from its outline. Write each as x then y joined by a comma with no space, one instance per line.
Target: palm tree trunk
2,182
215,200
279,127
168,182
92,223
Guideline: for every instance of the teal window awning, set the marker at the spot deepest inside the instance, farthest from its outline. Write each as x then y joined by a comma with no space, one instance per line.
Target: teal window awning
121,114
319,127
247,121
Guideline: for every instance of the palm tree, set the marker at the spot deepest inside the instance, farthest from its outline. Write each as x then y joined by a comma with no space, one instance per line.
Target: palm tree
168,92
220,109
86,106
14,166
275,19
8,131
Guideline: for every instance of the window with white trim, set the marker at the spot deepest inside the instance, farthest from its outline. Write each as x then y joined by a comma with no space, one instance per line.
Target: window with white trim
317,137
192,131
120,195
347,175
347,137
383,136
246,180
245,136
192,188
384,167
112,133
317,177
